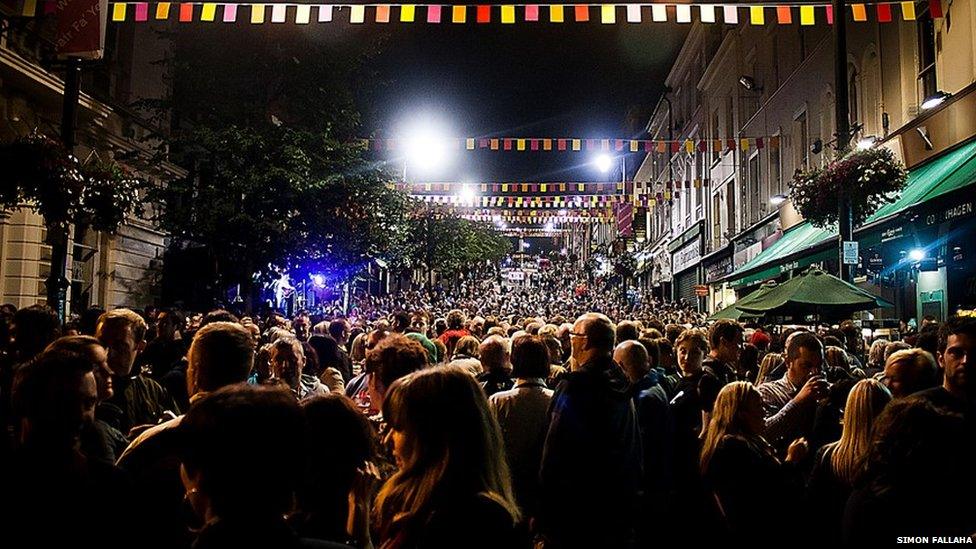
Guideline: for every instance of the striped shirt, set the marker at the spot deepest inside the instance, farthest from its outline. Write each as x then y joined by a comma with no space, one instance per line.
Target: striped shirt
786,419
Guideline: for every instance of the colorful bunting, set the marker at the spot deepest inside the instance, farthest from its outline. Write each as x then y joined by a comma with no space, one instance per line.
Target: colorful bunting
508,14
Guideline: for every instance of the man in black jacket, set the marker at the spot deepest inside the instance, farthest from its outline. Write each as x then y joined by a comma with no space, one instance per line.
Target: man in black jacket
591,464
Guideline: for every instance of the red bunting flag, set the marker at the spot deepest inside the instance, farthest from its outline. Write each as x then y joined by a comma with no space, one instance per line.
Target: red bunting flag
484,14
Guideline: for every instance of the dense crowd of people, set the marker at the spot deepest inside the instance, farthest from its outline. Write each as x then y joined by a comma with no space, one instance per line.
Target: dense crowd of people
559,415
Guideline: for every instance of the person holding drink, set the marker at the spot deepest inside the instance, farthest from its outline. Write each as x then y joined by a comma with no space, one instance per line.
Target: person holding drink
790,402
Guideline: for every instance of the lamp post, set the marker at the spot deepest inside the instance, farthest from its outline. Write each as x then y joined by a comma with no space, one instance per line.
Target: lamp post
57,281
843,135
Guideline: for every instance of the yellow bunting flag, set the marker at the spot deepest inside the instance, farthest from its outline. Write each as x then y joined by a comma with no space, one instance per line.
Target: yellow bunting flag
577,143
257,14
744,143
633,145
357,14
407,13
908,11
547,144
806,15
30,10
520,144
580,187
505,185
459,14
118,12
756,16
556,14
209,12
469,143
494,146
162,10
562,187
689,146
542,187
608,14
860,12
508,15
525,187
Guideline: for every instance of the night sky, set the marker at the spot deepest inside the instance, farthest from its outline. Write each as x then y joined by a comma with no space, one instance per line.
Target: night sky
523,80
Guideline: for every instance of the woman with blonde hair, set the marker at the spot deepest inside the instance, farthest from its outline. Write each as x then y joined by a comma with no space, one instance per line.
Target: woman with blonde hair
770,364
453,487
839,463
740,469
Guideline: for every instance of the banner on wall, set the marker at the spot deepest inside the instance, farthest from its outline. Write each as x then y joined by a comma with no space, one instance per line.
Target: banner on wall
81,28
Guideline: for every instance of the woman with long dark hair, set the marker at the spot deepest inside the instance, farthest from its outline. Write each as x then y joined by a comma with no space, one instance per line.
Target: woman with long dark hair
453,487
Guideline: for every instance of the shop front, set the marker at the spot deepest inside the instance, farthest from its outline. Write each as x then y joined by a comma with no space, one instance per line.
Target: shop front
686,254
717,266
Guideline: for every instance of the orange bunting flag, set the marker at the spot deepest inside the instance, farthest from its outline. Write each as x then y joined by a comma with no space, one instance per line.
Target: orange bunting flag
459,14
382,13
784,15
582,13
860,12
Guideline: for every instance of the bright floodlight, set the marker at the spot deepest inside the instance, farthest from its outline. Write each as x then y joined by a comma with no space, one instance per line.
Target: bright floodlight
866,143
935,100
604,163
916,254
318,280
426,152
466,195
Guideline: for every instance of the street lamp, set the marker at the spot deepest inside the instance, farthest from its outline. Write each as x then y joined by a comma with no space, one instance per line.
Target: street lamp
866,142
935,100
467,195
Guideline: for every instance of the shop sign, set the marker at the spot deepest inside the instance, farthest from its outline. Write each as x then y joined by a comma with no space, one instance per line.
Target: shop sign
959,210
719,269
893,233
686,257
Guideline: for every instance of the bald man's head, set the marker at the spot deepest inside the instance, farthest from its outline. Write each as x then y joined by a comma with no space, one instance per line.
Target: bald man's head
633,359
592,336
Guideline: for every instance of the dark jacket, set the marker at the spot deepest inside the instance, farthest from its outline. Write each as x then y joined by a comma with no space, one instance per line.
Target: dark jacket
473,522
752,487
256,534
591,463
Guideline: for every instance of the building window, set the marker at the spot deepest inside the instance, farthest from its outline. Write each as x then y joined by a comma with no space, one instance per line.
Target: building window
717,220
926,56
730,206
801,150
852,93
754,190
775,182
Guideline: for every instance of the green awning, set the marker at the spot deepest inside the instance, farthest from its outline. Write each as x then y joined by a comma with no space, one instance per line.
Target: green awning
950,172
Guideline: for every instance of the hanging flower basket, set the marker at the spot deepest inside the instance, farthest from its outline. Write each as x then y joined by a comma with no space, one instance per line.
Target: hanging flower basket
38,172
871,178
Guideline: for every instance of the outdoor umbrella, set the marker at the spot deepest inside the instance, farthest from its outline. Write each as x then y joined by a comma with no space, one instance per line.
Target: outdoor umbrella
813,293
734,312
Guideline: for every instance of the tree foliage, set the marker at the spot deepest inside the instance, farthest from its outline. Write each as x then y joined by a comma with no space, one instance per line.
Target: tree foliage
448,244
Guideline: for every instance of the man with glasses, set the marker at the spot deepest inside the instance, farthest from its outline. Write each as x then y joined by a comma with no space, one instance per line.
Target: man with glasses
591,463
791,401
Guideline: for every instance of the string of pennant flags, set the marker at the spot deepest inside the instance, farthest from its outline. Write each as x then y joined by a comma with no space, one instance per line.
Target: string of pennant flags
505,188
302,14
576,203
577,144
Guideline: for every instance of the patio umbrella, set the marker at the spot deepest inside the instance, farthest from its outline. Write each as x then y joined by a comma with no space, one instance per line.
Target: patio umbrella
813,293
734,312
